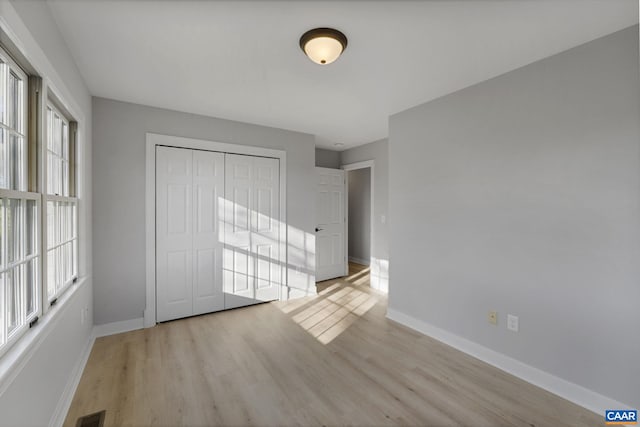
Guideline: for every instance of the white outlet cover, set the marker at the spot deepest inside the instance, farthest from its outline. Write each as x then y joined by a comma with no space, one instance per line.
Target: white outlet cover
512,323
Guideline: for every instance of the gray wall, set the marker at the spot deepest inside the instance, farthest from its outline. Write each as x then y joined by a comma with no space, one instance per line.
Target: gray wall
360,215
377,151
522,195
327,158
119,188
34,390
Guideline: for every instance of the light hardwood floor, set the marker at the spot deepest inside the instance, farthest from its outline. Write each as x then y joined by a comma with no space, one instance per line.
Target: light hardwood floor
329,360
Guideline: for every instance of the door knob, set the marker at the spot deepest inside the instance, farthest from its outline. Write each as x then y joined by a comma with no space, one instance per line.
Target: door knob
318,229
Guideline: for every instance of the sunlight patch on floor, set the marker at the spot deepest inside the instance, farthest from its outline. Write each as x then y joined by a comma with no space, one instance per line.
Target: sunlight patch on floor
334,309
362,273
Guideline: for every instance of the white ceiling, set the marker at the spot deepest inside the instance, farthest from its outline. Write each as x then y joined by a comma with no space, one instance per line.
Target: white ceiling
241,60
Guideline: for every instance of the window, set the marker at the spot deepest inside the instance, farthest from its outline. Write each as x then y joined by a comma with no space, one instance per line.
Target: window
38,204
19,231
62,237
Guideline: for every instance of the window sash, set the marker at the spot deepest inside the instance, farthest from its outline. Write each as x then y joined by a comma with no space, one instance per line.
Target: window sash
57,153
61,261
13,125
20,274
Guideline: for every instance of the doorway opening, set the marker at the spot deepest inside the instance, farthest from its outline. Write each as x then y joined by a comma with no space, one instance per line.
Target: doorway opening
359,216
359,209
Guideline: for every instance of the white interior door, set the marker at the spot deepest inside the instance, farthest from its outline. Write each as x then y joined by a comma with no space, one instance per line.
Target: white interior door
252,260
174,234
188,248
331,258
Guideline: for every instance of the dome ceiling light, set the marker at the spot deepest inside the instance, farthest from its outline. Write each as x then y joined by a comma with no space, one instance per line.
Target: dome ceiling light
323,45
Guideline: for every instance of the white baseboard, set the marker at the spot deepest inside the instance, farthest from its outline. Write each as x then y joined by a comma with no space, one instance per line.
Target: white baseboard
60,413
62,408
359,260
579,395
118,327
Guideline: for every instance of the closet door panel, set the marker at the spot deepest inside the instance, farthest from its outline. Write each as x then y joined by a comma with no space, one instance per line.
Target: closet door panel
208,194
238,274
266,228
174,233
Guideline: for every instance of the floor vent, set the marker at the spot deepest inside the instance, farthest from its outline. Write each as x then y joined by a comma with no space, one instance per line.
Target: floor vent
91,420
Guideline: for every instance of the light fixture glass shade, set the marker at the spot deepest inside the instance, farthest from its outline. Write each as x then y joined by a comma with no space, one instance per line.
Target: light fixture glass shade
323,45
323,50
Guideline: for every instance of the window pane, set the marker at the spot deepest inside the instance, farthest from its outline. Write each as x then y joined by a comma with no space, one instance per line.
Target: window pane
3,238
49,173
74,220
49,129
4,158
4,69
51,274
59,268
12,301
58,236
67,261
32,290
66,220
3,292
31,228
74,259
65,141
15,230
18,163
57,135
15,113
58,178
51,229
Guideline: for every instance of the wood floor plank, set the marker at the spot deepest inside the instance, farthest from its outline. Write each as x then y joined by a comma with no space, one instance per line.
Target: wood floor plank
333,360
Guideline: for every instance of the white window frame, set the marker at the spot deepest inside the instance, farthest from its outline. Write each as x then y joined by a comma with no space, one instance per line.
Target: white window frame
25,319
36,98
56,198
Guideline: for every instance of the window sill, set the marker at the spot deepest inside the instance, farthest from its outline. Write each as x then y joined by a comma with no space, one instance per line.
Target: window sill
14,360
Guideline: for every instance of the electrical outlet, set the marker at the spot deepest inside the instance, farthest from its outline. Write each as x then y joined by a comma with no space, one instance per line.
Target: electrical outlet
512,323
493,317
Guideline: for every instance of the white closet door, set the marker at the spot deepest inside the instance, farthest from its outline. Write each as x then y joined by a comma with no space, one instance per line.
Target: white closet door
174,233
189,184
252,270
208,192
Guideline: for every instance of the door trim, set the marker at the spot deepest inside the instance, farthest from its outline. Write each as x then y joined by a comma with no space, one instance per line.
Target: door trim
153,140
351,167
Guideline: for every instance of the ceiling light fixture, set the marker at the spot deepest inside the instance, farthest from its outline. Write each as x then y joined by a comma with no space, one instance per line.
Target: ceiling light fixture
323,45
